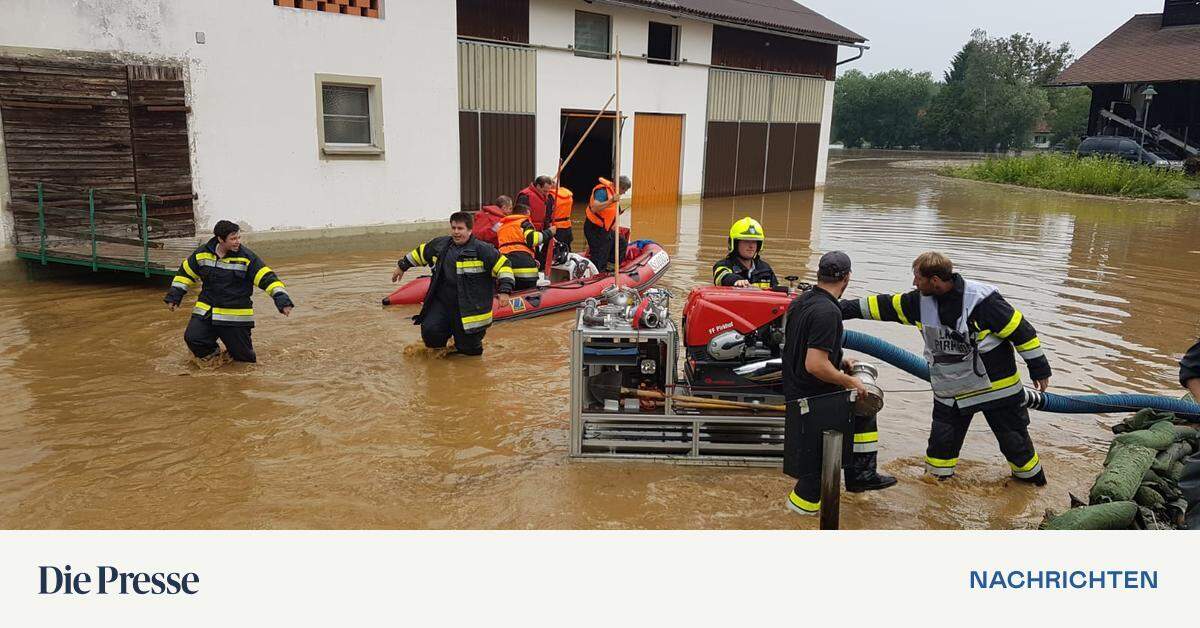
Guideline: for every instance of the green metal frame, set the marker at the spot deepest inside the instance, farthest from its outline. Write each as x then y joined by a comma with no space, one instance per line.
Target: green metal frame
45,256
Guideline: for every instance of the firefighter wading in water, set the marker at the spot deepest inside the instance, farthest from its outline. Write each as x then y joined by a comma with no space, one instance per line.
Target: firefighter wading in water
466,273
224,310
970,335
743,268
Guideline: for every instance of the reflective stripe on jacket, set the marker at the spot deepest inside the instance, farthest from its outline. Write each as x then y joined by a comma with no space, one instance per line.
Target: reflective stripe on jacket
729,270
228,283
480,271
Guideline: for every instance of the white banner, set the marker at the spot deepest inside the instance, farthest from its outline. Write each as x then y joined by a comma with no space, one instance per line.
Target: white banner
595,578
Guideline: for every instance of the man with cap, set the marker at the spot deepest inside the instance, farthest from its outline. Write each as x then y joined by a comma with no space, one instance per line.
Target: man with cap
972,337
815,383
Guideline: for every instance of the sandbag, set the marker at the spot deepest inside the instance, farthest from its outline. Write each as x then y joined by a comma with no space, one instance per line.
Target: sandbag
1159,436
1113,516
1149,497
1169,456
1123,471
1186,433
1144,419
1175,472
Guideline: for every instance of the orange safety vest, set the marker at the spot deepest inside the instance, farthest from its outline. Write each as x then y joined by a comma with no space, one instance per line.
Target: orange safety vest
564,199
512,234
606,217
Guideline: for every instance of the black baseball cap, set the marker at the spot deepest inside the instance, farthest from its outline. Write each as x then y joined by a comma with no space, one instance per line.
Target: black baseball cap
834,265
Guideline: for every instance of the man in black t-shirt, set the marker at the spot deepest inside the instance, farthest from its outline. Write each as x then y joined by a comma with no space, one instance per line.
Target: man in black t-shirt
815,371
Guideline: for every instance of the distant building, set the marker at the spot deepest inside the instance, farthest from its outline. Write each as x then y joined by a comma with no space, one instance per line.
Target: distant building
294,114
1042,134
1146,74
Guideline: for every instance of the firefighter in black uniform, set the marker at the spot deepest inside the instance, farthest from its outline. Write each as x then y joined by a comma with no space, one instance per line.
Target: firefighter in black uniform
466,276
743,267
224,310
970,335
1189,371
815,383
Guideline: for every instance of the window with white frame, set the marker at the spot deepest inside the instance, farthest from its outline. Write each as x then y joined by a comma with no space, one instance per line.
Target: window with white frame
592,35
349,114
662,45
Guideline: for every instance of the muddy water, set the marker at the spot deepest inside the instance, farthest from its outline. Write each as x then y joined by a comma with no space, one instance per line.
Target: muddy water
346,423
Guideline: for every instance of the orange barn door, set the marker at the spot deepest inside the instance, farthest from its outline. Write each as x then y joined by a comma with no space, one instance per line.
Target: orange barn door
657,151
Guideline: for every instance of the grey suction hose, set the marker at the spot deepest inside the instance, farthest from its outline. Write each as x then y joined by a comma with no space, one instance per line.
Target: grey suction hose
1048,402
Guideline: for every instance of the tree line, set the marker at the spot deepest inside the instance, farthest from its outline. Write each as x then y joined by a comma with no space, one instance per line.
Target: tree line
993,98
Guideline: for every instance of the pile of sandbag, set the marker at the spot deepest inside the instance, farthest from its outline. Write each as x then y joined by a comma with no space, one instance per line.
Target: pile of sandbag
1139,487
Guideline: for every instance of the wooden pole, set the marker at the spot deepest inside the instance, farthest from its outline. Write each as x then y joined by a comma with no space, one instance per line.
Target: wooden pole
617,171
831,479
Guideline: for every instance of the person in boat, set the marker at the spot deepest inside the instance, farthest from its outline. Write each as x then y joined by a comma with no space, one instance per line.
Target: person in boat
743,267
815,371
1189,371
467,274
971,334
601,227
536,196
487,219
521,242
224,311
560,218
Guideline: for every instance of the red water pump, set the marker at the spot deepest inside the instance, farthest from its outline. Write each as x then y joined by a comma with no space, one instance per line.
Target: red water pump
733,338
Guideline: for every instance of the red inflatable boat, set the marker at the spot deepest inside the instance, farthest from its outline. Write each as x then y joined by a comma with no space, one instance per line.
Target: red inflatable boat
646,261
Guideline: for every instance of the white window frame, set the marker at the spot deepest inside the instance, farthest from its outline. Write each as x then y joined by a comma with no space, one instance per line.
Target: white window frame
593,54
677,33
374,87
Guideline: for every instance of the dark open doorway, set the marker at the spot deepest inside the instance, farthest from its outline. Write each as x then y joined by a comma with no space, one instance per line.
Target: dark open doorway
594,158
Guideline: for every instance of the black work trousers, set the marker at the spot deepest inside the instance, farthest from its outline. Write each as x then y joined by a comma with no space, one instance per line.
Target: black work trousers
441,322
600,245
201,337
525,270
1009,422
802,443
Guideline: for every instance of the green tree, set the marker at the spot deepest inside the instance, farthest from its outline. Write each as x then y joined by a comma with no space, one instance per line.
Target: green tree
883,110
1069,111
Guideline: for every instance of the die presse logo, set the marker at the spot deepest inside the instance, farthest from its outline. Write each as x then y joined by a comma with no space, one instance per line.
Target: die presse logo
107,580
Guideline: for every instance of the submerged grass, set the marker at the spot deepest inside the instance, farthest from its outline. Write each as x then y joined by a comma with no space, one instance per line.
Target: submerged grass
1083,175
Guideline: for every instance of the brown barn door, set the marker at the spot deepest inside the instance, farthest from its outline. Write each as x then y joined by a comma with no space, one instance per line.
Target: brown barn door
720,159
506,154
657,155
161,152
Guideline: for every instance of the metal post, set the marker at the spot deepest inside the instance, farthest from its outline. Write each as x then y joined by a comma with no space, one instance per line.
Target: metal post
145,240
831,479
92,223
42,222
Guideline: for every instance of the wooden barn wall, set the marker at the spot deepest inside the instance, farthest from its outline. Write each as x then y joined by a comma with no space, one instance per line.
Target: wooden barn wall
500,20
72,125
468,159
750,50
720,158
506,153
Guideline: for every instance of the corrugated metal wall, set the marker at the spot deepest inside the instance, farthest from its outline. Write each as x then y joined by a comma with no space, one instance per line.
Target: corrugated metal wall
760,148
496,78
497,101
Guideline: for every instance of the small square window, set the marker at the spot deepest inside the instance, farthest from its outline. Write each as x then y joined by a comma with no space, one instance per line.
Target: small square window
663,44
349,115
592,35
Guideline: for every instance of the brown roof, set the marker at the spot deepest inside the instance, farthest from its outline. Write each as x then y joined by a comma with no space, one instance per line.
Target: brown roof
1141,51
783,16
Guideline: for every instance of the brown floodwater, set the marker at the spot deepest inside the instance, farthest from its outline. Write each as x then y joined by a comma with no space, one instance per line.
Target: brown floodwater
346,423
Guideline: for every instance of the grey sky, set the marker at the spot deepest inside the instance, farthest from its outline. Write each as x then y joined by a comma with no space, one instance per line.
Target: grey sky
924,34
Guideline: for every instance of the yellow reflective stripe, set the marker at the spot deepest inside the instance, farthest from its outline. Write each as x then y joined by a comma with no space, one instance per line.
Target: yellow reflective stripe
259,275
206,255
235,259
873,303
1031,345
941,463
997,385
234,311
274,286
762,284
983,334
498,267
1033,462
899,309
1012,325
183,280
477,318
187,268
719,273
866,437
525,272
804,504
471,263
200,305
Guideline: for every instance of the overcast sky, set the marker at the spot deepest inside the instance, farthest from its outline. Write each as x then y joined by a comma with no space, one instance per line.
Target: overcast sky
925,34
